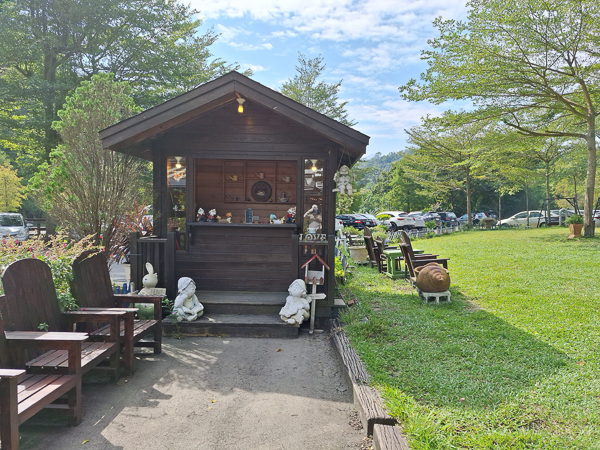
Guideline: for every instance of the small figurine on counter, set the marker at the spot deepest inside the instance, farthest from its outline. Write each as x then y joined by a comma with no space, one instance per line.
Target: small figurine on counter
228,217
273,219
200,216
291,215
343,178
212,215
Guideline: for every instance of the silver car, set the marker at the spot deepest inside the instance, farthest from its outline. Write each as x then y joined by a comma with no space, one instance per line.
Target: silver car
13,225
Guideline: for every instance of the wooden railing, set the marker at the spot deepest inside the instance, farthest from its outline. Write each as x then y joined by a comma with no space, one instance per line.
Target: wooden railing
160,252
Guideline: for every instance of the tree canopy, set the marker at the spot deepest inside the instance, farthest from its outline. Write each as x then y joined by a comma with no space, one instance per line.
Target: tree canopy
11,189
49,46
85,187
531,64
305,88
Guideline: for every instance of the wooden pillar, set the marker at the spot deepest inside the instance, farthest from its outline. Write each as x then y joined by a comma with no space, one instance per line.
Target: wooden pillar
170,263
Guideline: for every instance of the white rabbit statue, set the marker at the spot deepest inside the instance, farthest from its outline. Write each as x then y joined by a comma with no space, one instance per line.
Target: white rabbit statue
150,280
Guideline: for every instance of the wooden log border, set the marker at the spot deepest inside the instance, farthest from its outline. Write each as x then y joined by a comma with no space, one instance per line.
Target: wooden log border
367,400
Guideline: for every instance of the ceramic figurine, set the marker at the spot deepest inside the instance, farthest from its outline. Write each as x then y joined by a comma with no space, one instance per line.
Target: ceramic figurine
297,306
314,219
228,217
343,179
186,305
291,215
200,216
212,215
149,281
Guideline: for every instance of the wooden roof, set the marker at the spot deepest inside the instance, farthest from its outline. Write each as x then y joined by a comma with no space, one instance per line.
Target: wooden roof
135,134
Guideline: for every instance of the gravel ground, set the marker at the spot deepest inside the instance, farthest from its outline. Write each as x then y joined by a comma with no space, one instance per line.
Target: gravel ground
215,393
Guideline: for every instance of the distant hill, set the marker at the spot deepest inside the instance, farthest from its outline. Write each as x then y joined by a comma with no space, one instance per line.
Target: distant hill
369,169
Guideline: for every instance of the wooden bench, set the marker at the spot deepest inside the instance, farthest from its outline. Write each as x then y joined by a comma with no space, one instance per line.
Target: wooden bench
31,300
24,394
92,289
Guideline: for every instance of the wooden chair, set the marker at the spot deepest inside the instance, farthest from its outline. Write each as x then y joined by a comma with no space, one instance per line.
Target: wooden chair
30,300
92,288
23,395
373,258
411,260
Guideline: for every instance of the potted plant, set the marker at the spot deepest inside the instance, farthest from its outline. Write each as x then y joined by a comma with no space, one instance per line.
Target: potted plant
575,223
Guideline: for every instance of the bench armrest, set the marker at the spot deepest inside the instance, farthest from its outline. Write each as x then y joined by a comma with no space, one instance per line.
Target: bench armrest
112,317
11,373
156,300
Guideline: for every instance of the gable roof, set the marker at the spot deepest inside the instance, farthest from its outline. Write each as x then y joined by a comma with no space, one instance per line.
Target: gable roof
132,135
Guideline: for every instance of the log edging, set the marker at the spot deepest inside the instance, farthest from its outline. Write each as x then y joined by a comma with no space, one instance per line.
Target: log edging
367,400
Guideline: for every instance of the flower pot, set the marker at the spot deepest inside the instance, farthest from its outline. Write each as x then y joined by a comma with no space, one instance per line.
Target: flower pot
359,254
575,229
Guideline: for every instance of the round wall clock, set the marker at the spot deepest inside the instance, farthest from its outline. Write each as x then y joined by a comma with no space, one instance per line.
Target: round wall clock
261,191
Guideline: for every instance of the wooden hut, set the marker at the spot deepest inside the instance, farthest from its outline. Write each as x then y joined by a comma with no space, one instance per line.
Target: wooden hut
236,146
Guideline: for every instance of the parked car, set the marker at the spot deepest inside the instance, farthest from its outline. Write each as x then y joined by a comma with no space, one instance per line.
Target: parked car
477,217
372,217
355,220
520,219
12,224
399,220
428,217
449,219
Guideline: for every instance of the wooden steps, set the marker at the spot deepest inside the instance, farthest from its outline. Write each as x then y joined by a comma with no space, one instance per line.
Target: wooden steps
236,314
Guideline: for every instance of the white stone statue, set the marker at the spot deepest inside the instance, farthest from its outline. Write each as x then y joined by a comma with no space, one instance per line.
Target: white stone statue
343,178
186,305
297,306
149,281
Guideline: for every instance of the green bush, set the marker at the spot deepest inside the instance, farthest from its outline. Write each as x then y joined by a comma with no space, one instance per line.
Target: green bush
430,224
57,251
383,216
575,218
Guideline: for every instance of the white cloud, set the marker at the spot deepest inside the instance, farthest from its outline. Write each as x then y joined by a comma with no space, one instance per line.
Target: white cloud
250,47
254,67
340,20
228,33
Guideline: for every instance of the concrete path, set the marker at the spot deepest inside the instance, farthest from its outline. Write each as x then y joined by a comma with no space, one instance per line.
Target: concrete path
214,394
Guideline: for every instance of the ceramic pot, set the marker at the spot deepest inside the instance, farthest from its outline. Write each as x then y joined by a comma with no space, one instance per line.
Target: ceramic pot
575,229
359,254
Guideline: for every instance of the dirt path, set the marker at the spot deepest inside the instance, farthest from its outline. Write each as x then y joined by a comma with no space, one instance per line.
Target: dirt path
215,393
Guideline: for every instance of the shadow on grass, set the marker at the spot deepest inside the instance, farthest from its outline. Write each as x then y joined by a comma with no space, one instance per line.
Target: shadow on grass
454,355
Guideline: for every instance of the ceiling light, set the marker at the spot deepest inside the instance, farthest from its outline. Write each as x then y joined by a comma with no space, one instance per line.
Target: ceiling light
241,102
178,164
314,165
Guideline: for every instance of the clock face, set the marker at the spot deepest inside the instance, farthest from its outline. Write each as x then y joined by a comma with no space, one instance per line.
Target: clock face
261,191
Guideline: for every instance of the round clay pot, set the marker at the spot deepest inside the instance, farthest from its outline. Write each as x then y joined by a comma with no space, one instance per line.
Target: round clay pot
432,278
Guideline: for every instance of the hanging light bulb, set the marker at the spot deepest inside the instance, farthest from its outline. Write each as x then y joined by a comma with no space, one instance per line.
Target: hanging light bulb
178,164
314,165
241,102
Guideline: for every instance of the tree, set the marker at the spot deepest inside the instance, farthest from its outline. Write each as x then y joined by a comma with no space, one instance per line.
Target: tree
49,46
532,64
447,157
318,95
11,189
84,187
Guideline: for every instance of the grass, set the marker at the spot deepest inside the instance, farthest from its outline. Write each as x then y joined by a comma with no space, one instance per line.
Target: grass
512,363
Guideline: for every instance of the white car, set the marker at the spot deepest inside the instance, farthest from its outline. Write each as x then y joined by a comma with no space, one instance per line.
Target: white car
520,219
399,220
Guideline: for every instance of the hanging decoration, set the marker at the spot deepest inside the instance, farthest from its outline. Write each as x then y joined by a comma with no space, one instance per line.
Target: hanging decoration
343,179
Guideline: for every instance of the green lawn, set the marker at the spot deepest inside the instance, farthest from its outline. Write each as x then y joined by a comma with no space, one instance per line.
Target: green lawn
513,362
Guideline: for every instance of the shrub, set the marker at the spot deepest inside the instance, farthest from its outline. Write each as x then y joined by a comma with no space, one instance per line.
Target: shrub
430,224
575,218
57,251
383,216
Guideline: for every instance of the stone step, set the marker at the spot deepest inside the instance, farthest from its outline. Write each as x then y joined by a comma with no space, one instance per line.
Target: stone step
232,325
244,303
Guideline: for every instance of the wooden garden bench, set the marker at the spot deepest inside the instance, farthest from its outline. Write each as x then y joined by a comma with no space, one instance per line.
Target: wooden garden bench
412,260
24,394
31,300
92,288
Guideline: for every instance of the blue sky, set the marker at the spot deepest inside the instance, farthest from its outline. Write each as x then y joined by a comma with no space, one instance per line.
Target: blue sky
372,45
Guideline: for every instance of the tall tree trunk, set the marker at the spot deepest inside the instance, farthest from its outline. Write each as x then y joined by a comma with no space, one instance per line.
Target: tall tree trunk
49,102
548,193
590,181
468,186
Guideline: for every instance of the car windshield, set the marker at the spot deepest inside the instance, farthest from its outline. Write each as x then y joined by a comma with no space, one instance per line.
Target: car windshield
11,220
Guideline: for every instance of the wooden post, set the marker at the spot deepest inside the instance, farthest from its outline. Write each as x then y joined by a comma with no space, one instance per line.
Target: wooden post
135,260
170,263
9,425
